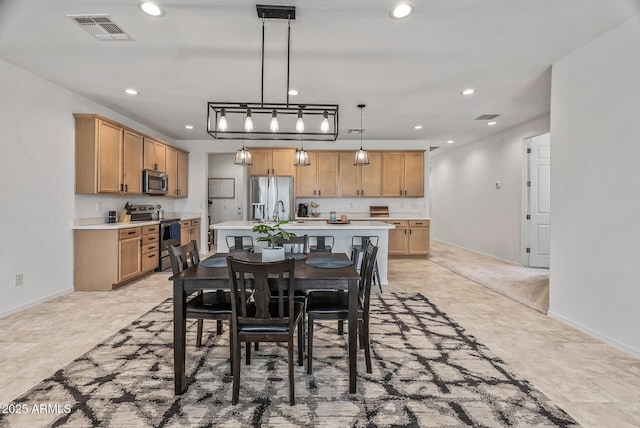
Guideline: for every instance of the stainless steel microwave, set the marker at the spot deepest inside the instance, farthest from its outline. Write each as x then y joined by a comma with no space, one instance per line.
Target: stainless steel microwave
154,182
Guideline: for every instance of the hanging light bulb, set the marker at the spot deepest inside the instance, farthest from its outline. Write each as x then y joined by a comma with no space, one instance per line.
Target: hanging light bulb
243,156
248,122
222,122
362,157
324,126
300,122
274,121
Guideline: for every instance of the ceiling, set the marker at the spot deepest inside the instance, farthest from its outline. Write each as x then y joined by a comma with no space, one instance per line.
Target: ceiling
408,72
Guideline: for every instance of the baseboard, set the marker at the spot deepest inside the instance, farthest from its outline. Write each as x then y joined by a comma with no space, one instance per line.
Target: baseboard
35,303
593,333
478,252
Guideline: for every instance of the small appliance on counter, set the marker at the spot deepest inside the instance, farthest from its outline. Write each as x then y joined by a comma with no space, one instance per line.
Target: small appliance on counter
113,217
378,211
303,210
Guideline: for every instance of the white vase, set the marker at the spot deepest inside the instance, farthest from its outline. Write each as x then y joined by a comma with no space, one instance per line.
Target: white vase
272,254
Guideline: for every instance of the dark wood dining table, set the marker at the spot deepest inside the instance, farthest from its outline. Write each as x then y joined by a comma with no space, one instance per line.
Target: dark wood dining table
307,277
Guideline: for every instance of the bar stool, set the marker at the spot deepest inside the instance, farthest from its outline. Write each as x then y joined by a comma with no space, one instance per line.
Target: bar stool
358,244
320,244
240,244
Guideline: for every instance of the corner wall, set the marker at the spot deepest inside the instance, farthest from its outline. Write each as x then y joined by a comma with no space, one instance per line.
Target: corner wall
595,194
467,209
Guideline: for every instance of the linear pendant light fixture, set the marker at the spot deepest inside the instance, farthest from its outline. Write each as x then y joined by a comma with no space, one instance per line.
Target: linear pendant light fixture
362,157
273,121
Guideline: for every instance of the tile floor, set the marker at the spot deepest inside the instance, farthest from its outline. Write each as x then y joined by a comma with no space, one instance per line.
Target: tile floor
596,384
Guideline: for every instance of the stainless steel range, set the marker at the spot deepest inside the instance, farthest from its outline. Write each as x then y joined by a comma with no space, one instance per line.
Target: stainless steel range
169,230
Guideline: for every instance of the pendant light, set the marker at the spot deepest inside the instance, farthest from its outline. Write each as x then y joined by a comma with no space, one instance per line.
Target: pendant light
248,122
362,157
324,126
300,122
274,121
243,156
302,156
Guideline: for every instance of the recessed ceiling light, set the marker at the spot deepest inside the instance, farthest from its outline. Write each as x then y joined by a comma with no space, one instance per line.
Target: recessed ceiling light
189,126
151,9
491,123
131,91
401,10
468,91
449,141
417,127
293,92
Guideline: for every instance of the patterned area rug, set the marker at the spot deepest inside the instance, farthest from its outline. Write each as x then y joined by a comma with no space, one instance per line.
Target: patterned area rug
426,372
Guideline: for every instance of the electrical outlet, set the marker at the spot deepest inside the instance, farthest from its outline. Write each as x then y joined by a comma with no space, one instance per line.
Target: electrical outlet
17,280
99,206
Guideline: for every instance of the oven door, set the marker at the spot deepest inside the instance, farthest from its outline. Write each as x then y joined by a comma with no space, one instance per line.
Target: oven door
169,235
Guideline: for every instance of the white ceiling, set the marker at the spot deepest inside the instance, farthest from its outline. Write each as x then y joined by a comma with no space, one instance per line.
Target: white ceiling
346,52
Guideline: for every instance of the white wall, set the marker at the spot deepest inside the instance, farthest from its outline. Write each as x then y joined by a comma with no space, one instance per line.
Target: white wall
467,209
595,195
37,172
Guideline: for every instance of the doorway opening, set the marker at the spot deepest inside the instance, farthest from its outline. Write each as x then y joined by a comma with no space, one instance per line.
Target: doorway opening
537,222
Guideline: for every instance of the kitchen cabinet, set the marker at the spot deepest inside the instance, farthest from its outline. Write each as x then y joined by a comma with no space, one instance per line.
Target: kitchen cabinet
360,180
177,170
105,259
154,155
320,178
183,174
403,174
410,237
272,161
189,231
108,157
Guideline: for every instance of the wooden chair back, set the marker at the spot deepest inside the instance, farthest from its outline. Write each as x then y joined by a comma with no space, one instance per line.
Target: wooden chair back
294,240
366,274
184,256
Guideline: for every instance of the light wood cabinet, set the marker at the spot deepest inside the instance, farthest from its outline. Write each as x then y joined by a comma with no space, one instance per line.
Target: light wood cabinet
272,161
410,237
154,155
108,157
319,179
129,253
150,257
360,180
189,231
403,174
172,171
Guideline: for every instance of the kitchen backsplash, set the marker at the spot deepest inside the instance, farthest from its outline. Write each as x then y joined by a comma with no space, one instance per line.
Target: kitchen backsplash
417,206
97,206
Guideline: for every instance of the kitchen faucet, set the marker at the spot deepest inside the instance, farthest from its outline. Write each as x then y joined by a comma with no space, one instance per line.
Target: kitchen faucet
276,215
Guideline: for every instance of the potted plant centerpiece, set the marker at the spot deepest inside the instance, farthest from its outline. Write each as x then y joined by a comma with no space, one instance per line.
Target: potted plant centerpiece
272,233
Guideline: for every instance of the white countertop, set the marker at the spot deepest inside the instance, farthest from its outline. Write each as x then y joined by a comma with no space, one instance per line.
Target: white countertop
307,224
367,217
124,225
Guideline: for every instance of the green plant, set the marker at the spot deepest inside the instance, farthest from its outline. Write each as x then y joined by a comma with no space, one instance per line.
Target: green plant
272,232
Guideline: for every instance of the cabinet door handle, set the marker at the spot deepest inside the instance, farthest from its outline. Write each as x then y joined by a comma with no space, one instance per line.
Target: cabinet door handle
126,187
405,231
405,193
121,188
273,171
151,256
318,192
400,192
152,248
267,171
131,233
409,231
362,193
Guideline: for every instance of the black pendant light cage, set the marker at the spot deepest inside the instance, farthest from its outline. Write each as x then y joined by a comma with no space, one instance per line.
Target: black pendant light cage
313,122
262,113
362,157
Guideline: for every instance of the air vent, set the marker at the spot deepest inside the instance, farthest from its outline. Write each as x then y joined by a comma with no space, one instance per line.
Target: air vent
487,116
100,26
432,148
355,130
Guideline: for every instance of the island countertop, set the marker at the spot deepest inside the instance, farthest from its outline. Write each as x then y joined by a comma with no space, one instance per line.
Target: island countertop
307,224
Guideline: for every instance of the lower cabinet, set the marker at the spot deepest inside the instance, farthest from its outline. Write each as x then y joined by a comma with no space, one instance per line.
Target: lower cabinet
410,237
189,231
106,259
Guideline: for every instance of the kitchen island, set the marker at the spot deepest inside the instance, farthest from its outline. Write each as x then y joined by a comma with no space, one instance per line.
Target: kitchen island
342,234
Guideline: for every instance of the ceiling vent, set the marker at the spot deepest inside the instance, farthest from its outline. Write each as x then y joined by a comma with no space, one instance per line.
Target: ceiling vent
100,26
355,130
487,116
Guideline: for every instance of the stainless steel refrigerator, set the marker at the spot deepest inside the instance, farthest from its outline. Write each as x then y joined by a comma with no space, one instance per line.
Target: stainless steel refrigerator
271,198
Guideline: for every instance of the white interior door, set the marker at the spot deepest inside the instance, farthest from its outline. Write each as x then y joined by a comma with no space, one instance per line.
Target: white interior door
539,200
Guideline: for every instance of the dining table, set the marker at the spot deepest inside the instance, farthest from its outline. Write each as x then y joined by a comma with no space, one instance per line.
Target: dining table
336,273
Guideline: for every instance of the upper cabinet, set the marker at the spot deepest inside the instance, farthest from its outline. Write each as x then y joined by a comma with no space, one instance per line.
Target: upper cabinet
272,161
403,174
155,155
110,158
320,178
360,181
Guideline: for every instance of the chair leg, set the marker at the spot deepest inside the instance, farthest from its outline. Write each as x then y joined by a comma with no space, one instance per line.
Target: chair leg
199,333
256,346
340,327
292,392
361,333
236,371
248,359
367,345
310,343
376,275
231,354
219,328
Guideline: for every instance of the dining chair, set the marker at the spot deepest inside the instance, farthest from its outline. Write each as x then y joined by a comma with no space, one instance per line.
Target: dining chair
331,305
358,244
269,317
214,305
240,244
321,244
299,241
